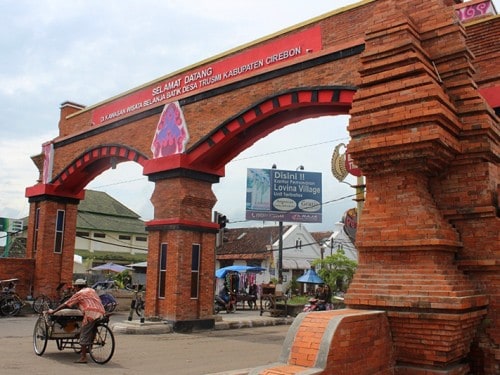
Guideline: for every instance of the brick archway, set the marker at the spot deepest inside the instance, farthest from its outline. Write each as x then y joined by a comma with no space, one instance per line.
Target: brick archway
266,116
426,139
92,163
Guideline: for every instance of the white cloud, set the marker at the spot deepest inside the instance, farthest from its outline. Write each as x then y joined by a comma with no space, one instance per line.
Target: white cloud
17,172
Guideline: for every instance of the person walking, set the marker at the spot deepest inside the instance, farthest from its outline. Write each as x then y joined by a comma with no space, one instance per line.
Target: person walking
89,303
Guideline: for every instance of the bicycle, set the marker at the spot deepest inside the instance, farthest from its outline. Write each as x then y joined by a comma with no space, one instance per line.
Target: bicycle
64,327
44,302
137,304
10,302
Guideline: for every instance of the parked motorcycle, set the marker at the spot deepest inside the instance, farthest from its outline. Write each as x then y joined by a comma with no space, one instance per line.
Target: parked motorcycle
315,305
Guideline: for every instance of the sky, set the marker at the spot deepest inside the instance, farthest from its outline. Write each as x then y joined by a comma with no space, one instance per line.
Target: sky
86,51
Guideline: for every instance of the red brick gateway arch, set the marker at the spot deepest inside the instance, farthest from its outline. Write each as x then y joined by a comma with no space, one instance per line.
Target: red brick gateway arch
421,88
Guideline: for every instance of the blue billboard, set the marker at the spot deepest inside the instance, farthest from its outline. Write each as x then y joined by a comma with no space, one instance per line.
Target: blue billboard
281,195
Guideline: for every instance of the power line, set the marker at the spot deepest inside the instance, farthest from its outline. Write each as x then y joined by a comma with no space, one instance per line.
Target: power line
240,159
319,204
110,243
92,226
290,149
120,182
340,242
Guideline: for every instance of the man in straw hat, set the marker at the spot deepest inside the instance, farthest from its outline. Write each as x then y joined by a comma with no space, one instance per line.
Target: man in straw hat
88,302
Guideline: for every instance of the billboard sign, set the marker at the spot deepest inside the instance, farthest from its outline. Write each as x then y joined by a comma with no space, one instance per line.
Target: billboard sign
281,195
10,225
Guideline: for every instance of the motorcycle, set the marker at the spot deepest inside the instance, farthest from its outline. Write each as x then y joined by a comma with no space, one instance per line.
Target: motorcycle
315,305
220,304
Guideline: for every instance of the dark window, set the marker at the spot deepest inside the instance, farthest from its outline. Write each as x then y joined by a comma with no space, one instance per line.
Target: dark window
124,237
99,235
225,263
37,225
58,243
143,239
82,234
254,263
195,270
163,270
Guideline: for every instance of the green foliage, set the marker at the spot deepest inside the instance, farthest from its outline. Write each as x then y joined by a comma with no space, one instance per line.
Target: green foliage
122,279
337,270
293,286
297,300
110,256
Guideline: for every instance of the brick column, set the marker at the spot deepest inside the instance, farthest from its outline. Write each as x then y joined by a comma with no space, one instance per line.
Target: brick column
183,218
53,263
407,133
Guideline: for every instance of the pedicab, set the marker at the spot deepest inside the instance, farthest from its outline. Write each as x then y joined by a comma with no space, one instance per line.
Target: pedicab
64,328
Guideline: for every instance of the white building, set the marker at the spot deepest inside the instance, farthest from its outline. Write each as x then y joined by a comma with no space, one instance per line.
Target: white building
260,247
340,240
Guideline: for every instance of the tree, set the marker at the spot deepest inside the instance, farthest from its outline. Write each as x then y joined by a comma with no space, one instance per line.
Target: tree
336,270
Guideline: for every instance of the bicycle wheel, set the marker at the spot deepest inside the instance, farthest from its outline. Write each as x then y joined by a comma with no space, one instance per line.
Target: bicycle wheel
103,347
11,305
109,307
40,336
139,308
108,301
41,303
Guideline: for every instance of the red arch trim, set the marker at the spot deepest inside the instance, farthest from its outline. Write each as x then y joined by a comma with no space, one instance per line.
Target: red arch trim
93,162
216,149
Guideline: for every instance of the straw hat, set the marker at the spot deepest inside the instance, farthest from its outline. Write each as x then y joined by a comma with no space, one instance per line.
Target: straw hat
80,282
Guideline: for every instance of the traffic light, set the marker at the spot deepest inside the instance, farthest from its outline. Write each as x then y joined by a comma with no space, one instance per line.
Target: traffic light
222,220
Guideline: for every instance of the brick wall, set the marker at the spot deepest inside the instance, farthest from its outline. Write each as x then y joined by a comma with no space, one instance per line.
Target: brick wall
22,269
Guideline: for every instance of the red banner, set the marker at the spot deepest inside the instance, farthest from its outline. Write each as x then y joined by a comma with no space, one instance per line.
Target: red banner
204,77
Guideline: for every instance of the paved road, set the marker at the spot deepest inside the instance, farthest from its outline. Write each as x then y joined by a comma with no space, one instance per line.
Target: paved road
196,353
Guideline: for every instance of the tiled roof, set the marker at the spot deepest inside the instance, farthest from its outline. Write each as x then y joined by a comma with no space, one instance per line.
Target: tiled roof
101,203
320,237
248,243
99,211
101,222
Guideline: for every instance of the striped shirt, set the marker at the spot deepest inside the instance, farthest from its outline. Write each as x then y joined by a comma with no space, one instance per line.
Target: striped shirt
88,302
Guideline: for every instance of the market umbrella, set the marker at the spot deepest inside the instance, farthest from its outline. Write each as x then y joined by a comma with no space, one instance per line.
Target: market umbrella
310,277
111,267
222,272
138,265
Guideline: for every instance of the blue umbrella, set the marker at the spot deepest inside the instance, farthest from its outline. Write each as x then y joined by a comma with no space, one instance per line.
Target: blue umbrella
310,277
222,272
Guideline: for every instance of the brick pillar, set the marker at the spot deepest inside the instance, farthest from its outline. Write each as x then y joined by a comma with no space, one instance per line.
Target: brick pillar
407,134
183,219
53,259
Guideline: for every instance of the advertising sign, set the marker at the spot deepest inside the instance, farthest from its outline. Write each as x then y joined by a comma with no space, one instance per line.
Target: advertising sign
234,67
10,225
350,166
350,220
280,195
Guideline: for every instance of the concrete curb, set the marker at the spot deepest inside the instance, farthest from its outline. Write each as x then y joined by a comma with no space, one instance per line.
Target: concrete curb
233,322
249,323
137,328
